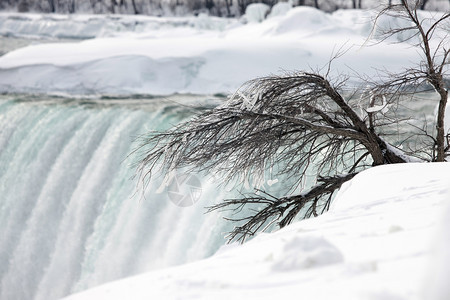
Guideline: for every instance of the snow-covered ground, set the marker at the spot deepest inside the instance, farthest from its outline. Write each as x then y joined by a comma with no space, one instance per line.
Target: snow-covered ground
147,55
385,238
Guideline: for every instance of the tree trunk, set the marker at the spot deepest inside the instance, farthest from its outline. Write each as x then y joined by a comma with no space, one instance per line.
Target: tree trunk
51,4
440,137
228,3
112,7
92,5
135,10
241,5
71,6
209,4
23,6
434,77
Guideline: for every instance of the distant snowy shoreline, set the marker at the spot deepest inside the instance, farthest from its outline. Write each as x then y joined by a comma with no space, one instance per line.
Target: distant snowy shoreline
202,55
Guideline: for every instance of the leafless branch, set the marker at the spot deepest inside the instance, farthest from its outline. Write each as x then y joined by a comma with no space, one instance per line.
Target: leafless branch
280,210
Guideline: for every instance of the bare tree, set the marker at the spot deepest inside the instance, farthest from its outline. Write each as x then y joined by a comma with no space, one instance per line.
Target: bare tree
242,4
228,4
300,123
135,10
23,6
112,7
356,4
52,5
435,60
71,6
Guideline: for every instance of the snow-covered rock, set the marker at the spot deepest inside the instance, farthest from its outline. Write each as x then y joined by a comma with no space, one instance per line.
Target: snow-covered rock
378,242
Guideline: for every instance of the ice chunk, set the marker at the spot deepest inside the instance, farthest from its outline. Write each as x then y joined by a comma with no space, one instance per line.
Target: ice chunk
306,252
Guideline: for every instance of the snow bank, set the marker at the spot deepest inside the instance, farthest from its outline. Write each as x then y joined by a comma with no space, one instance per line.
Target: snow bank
439,271
140,67
204,55
376,243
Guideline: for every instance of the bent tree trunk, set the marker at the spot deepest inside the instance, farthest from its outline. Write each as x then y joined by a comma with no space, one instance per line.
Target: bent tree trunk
299,118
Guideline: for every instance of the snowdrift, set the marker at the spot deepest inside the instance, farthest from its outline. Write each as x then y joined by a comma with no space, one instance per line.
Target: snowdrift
203,55
378,241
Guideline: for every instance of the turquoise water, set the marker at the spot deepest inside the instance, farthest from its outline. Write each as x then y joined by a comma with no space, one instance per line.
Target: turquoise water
71,217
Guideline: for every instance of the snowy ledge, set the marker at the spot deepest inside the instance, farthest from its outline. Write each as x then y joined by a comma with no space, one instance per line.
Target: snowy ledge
384,238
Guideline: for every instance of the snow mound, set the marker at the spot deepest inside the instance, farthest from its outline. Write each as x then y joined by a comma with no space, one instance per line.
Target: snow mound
304,19
375,244
256,12
205,22
280,9
306,252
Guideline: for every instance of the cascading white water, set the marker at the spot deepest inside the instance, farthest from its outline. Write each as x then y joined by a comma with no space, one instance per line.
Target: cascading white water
69,215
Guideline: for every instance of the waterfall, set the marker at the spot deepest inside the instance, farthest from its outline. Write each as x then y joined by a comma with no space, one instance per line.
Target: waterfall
70,215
